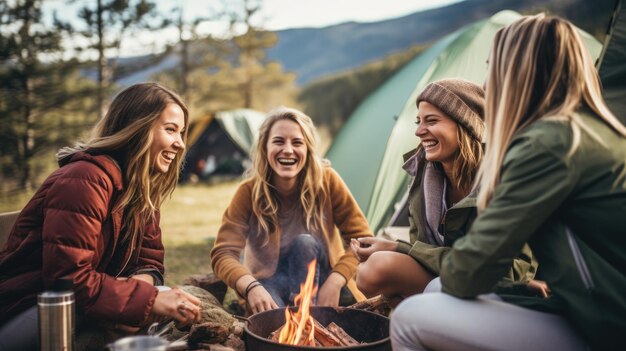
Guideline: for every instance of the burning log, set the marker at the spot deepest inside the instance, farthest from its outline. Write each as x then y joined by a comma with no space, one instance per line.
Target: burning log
325,337
301,329
333,335
346,340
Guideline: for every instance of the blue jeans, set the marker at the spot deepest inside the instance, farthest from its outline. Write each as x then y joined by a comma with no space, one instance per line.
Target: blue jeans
284,285
22,332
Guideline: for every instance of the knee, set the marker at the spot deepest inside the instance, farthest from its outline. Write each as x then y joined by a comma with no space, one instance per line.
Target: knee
406,320
371,274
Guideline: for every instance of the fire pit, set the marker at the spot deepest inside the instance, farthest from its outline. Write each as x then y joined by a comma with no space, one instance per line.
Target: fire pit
367,327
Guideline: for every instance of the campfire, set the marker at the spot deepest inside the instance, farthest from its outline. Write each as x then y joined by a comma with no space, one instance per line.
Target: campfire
302,329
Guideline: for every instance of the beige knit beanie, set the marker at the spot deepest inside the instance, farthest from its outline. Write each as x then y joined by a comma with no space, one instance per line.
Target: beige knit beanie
459,99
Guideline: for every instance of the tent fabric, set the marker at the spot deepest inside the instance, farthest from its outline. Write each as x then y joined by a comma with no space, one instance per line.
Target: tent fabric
357,150
241,126
461,54
612,64
221,144
197,127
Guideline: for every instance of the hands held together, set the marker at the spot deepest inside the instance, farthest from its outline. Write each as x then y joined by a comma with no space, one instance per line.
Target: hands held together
363,248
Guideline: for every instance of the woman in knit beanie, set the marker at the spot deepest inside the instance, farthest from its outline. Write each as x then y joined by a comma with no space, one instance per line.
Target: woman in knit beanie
442,205
554,176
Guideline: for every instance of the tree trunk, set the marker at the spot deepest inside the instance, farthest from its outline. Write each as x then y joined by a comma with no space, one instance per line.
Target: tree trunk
102,61
184,58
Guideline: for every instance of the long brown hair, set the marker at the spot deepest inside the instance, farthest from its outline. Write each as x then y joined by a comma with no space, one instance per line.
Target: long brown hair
126,130
539,68
310,179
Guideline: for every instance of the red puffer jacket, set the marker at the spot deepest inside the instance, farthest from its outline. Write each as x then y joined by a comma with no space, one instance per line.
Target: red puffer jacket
68,229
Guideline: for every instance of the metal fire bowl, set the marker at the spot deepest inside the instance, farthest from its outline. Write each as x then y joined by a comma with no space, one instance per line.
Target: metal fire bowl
364,326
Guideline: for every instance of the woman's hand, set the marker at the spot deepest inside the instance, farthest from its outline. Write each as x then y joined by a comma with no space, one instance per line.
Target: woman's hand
260,300
364,247
539,287
330,291
257,297
177,304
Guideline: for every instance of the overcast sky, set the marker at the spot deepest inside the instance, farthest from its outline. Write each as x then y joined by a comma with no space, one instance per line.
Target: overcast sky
275,15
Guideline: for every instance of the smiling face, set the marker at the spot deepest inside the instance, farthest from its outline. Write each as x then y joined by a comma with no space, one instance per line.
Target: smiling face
438,134
286,153
167,139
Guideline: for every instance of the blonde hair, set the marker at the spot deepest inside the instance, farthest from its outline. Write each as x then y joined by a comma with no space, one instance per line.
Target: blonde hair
539,68
126,131
310,180
466,161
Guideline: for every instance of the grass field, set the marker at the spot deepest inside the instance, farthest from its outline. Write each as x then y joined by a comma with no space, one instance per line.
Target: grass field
189,224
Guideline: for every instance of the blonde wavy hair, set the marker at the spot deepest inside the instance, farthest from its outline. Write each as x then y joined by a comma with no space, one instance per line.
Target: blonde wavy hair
467,160
539,68
126,131
310,180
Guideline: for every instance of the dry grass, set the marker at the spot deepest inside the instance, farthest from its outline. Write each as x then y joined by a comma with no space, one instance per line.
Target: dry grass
189,223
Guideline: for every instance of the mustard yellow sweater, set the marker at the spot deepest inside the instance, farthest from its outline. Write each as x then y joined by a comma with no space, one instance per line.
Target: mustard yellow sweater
343,220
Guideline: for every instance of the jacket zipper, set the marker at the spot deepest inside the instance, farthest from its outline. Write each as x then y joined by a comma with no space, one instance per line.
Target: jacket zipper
581,265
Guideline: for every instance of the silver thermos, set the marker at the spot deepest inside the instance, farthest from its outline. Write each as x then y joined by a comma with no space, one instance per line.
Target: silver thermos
56,317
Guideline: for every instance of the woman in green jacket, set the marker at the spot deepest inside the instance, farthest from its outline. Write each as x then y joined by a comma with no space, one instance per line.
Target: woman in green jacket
442,205
554,175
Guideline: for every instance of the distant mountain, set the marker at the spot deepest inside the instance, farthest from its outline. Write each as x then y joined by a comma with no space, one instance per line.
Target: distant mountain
313,53
316,52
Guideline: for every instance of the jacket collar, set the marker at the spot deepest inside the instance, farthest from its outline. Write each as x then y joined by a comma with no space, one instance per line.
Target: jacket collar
104,161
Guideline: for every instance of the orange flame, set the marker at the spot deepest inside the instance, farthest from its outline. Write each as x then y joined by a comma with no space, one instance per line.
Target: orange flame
299,328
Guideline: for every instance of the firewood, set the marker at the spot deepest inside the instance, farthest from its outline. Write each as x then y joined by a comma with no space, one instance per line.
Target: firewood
275,334
369,304
324,336
341,334
377,304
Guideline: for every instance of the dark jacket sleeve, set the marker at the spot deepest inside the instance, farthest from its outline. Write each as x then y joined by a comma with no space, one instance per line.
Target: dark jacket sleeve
74,211
151,252
535,181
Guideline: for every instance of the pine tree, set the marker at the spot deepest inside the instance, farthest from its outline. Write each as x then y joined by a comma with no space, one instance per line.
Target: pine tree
107,24
40,92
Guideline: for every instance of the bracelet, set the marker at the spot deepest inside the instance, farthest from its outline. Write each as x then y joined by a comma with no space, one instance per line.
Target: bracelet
248,287
251,286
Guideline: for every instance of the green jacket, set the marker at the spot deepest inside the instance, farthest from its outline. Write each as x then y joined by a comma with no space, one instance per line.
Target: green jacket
457,222
541,192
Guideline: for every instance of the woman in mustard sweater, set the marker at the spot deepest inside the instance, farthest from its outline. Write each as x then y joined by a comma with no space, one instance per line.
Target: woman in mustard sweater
292,209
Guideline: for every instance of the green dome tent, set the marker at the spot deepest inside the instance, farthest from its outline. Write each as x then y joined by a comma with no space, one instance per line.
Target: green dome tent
368,150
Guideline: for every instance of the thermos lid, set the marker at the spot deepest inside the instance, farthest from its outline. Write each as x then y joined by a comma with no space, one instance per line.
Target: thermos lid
60,293
62,284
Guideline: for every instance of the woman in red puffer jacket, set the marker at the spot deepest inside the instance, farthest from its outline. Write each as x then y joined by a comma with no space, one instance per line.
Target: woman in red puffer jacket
95,220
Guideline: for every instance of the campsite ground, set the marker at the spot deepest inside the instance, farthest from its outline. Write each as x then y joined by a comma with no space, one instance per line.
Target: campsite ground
189,224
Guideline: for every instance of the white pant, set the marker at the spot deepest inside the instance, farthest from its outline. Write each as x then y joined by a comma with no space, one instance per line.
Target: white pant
437,321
